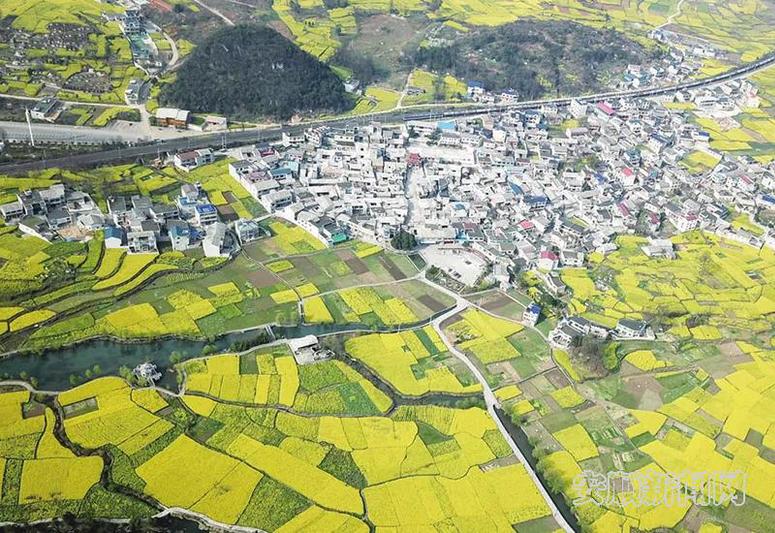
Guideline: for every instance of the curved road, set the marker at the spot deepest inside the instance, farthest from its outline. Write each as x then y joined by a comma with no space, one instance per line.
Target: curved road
234,138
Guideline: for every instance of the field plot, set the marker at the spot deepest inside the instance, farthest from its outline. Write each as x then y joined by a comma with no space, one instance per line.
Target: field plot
271,377
289,239
432,87
414,362
401,303
728,285
700,395
347,265
230,198
90,61
264,467
103,411
503,350
41,478
24,263
720,423
199,305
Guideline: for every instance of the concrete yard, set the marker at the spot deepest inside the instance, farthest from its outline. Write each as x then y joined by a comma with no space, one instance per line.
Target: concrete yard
462,265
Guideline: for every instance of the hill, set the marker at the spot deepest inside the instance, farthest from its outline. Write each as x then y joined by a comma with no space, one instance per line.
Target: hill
248,71
535,58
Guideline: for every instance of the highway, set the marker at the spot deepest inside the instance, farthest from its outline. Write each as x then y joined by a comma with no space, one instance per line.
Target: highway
236,137
53,133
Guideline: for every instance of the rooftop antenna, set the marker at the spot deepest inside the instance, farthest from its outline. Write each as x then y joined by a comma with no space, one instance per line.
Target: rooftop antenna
29,126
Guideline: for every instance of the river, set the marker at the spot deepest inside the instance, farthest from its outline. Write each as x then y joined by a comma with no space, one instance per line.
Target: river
54,368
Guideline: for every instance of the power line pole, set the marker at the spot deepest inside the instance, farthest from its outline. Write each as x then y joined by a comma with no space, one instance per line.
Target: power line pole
29,126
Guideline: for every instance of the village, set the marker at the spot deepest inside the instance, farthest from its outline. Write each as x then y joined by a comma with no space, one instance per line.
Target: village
485,198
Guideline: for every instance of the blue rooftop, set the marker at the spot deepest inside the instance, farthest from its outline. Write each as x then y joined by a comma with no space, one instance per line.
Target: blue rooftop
205,209
534,308
179,231
536,199
281,171
113,232
446,125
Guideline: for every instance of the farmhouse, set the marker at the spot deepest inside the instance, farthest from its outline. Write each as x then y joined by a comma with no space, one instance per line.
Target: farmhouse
171,117
47,109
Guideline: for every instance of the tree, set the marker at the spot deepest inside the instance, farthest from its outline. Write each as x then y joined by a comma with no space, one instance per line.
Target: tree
403,240
593,351
209,349
250,71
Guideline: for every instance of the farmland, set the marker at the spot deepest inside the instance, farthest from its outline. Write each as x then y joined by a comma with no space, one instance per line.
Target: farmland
42,479
63,293
403,303
414,362
92,48
306,261
503,350
271,377
386,34
199,304
351,445
692,400
243,461
724,283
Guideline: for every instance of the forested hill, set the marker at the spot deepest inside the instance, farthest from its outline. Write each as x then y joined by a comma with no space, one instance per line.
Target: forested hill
535,58
250,71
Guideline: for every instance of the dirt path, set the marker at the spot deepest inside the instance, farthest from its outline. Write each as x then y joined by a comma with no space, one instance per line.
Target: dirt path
673,15
215,12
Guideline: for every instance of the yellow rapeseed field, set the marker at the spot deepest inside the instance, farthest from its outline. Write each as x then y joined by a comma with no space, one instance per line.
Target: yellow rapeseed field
171,477
58,478
315,484
316,312
576,440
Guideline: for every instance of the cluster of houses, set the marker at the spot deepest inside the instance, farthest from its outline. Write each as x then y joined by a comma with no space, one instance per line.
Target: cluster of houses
525,190
535,190
135,223
675,67
572,329
19,62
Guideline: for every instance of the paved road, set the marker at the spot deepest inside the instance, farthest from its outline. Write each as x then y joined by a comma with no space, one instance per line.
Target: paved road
232,138
489,396
52,133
